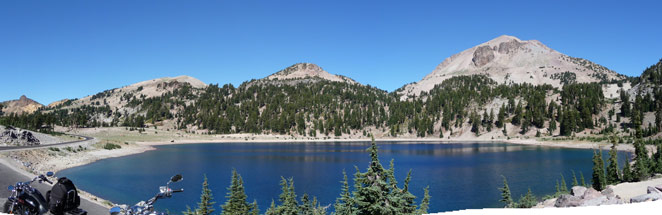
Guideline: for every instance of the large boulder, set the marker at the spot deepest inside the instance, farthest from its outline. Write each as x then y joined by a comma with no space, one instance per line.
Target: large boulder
566,200
609,191
594,201
546,204
578,191
591,194
646,197
652,190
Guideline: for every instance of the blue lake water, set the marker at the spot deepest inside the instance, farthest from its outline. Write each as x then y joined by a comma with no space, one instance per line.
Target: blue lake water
460,176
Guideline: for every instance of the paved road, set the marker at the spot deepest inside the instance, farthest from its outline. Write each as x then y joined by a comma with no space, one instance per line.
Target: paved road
18,148
9,176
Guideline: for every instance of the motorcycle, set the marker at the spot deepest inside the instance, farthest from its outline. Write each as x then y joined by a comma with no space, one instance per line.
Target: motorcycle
25,199
147,207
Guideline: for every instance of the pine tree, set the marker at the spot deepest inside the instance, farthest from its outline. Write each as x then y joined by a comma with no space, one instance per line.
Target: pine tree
236,197
657,159
501,117
344,204
627,171
564,186
306,206
506,196
425,203
527,201
613,176
581,178
371,192
642,164
206,204
599,180
288,202
574,179
272,209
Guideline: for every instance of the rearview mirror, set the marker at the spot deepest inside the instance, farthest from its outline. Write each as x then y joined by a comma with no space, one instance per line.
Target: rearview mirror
115,210
176,178
49,174
10,188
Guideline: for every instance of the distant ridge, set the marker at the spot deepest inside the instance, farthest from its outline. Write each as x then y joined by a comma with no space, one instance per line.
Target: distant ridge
305,71
21,105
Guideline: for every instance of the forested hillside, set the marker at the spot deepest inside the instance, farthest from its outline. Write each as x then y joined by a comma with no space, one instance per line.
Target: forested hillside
460,106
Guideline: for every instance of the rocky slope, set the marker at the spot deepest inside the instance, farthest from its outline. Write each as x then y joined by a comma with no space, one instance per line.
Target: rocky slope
21,105
507,59
301,71
120,97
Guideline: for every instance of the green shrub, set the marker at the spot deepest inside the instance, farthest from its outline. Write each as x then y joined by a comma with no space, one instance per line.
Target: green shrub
111,146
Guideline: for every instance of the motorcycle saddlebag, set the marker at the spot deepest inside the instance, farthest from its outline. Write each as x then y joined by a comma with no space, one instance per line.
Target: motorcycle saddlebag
63,197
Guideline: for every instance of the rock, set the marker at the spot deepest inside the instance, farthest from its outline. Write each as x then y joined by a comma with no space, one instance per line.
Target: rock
609,191
659,187
591,194
646,197
578,191
652,190
483,55
594,201
18,138
613,201
510,46
546,204
566,200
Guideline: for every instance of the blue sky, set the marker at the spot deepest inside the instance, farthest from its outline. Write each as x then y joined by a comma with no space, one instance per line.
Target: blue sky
50,50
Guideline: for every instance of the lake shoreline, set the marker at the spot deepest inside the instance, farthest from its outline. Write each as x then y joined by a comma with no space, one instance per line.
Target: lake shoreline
89,156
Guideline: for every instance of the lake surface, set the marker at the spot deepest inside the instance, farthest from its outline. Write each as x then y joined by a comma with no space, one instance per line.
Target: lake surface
460,176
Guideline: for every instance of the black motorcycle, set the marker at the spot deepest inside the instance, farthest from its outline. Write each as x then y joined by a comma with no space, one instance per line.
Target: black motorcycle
25,199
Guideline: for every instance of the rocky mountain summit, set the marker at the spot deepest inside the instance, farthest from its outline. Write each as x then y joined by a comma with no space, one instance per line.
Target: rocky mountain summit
301,71
21,105
507,59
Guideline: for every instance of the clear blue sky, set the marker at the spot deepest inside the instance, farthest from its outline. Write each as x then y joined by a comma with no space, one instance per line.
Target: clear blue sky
50,50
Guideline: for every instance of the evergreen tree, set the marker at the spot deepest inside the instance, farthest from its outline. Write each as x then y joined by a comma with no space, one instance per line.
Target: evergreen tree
574,179
506,196
564,186
627,171
657,159
501,117
598,179
272,209
613,176
581,178
371,192
527,201
641,170
425,203
236,197
344,204
288,202
206,204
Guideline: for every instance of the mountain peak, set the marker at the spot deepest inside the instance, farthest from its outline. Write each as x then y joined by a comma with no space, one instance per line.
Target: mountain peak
307,70
507,59
21,105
